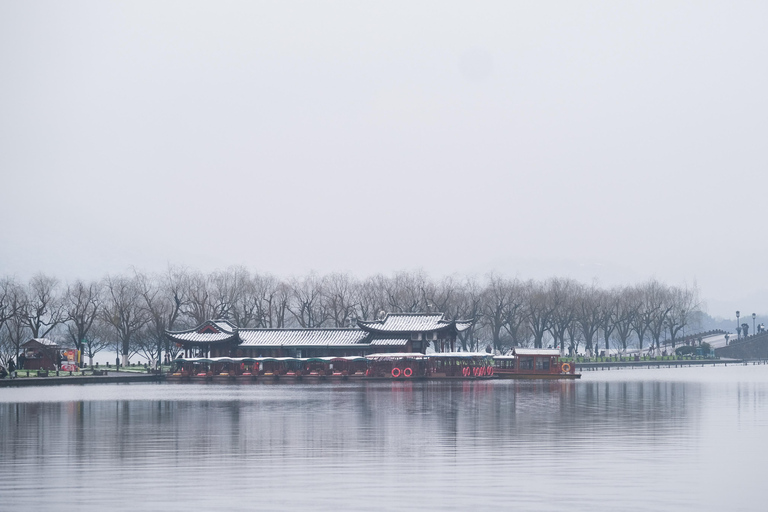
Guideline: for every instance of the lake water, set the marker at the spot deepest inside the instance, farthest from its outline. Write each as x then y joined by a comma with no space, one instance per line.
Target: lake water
677,439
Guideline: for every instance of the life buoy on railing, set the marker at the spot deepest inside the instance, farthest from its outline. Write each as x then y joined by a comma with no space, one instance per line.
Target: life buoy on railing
465,371
489,371
395,372
474,371
566,367
407,372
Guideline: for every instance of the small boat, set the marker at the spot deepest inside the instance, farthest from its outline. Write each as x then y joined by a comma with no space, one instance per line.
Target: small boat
533,363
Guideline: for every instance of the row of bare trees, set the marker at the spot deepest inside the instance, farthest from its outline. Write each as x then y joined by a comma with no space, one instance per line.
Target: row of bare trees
129,313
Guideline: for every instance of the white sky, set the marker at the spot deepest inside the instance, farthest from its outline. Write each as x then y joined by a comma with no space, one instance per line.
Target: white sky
618,140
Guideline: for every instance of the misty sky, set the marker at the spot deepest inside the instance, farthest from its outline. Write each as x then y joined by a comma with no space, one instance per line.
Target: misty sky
617,140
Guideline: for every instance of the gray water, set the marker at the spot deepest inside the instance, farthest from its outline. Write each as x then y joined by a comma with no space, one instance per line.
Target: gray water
678,439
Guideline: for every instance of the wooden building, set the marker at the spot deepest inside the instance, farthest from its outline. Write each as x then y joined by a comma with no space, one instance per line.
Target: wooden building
401,332
40,354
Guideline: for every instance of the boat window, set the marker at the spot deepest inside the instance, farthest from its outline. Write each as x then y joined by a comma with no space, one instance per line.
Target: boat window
526,363
542,363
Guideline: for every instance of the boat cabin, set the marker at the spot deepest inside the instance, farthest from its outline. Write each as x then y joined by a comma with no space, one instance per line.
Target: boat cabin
532,362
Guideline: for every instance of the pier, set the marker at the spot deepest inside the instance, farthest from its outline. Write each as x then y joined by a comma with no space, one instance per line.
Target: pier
660,363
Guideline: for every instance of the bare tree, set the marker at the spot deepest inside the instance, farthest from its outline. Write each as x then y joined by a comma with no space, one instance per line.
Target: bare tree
162,299
10,307
43,308
658,305
306,303
495,308
82,303
589,315
469,306
623,313
540,306
339,297
100,337
564,316
684,308
124,311
199,305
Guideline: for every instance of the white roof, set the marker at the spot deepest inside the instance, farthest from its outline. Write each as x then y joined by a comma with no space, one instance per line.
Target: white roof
396,342
536,352
404,322
45,341
460,355
397,355
301,337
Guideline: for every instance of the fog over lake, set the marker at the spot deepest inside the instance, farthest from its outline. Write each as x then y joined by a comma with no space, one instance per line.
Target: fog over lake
579,139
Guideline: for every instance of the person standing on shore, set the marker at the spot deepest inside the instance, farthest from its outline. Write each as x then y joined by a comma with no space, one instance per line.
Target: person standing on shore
12,368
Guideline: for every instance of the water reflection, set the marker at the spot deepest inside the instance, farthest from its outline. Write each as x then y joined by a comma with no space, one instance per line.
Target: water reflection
586,445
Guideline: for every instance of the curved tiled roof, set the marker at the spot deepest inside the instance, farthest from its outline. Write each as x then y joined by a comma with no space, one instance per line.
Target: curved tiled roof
301,337
409,322
403,322
211,331
389,342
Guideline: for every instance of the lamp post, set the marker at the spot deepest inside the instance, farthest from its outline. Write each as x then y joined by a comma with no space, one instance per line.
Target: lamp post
753,324
738,327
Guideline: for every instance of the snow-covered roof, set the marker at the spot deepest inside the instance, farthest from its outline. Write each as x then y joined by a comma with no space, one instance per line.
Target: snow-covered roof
536,352
459,355
390,342
42,341
211,331
410,322
301,337
46,341
463,325
224,325
206,337
397,355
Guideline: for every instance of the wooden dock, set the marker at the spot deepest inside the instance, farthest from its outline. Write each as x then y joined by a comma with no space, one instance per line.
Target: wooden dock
109,378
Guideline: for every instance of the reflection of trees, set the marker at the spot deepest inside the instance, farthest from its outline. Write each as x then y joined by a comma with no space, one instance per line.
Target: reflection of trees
258,433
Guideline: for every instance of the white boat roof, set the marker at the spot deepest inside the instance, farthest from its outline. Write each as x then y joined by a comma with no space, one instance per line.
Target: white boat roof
397,355
460,355
537,352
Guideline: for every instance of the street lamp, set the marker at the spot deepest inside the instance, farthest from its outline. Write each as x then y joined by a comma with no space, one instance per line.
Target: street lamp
753,324
738,327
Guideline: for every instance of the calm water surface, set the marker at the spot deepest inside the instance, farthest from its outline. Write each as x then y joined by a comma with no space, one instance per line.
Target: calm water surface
678,439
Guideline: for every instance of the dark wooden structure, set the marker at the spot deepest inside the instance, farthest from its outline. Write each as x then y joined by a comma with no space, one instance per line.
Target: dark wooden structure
40,354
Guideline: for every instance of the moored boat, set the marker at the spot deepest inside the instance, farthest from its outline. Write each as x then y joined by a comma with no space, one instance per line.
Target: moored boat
532,363
522,364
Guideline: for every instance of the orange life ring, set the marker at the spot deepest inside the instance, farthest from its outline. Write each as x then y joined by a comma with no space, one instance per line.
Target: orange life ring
395,372
566,367
407,372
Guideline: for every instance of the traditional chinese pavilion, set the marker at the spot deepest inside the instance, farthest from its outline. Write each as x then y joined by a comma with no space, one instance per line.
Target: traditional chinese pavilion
400,332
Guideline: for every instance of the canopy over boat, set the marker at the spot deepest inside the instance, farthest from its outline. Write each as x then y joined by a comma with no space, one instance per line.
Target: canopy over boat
536,352
459,355
396,355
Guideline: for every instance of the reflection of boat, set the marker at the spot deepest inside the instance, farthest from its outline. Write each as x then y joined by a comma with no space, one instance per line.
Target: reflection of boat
532,363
